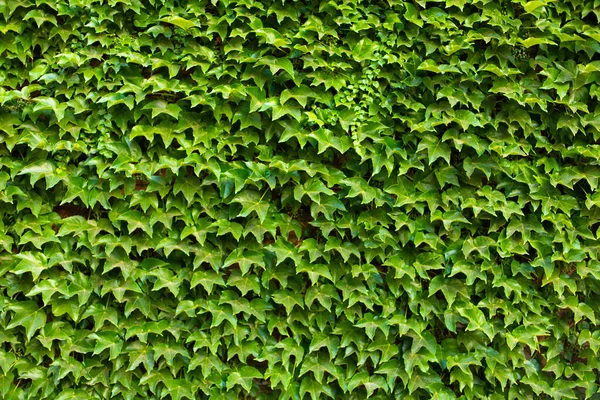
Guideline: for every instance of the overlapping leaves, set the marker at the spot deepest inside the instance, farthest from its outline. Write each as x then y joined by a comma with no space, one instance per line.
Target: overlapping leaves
285,199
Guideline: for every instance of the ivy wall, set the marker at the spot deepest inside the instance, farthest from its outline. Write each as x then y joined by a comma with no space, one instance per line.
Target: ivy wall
277,199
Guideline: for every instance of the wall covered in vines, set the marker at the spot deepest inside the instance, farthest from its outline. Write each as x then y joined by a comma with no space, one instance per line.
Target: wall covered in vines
256,199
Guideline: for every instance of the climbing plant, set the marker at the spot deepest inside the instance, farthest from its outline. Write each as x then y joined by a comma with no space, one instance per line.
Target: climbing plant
277,199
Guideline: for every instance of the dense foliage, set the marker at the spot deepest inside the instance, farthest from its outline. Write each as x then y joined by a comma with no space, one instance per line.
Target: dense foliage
284,199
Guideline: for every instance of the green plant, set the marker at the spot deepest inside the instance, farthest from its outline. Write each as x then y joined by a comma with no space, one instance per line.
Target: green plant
284,199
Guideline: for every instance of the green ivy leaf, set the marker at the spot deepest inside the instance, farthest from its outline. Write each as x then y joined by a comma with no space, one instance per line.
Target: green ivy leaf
252,201
35,263
288,299
276,64
107,340
49,103
162,107
243,377
27,314
245,259
179,22
435,149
